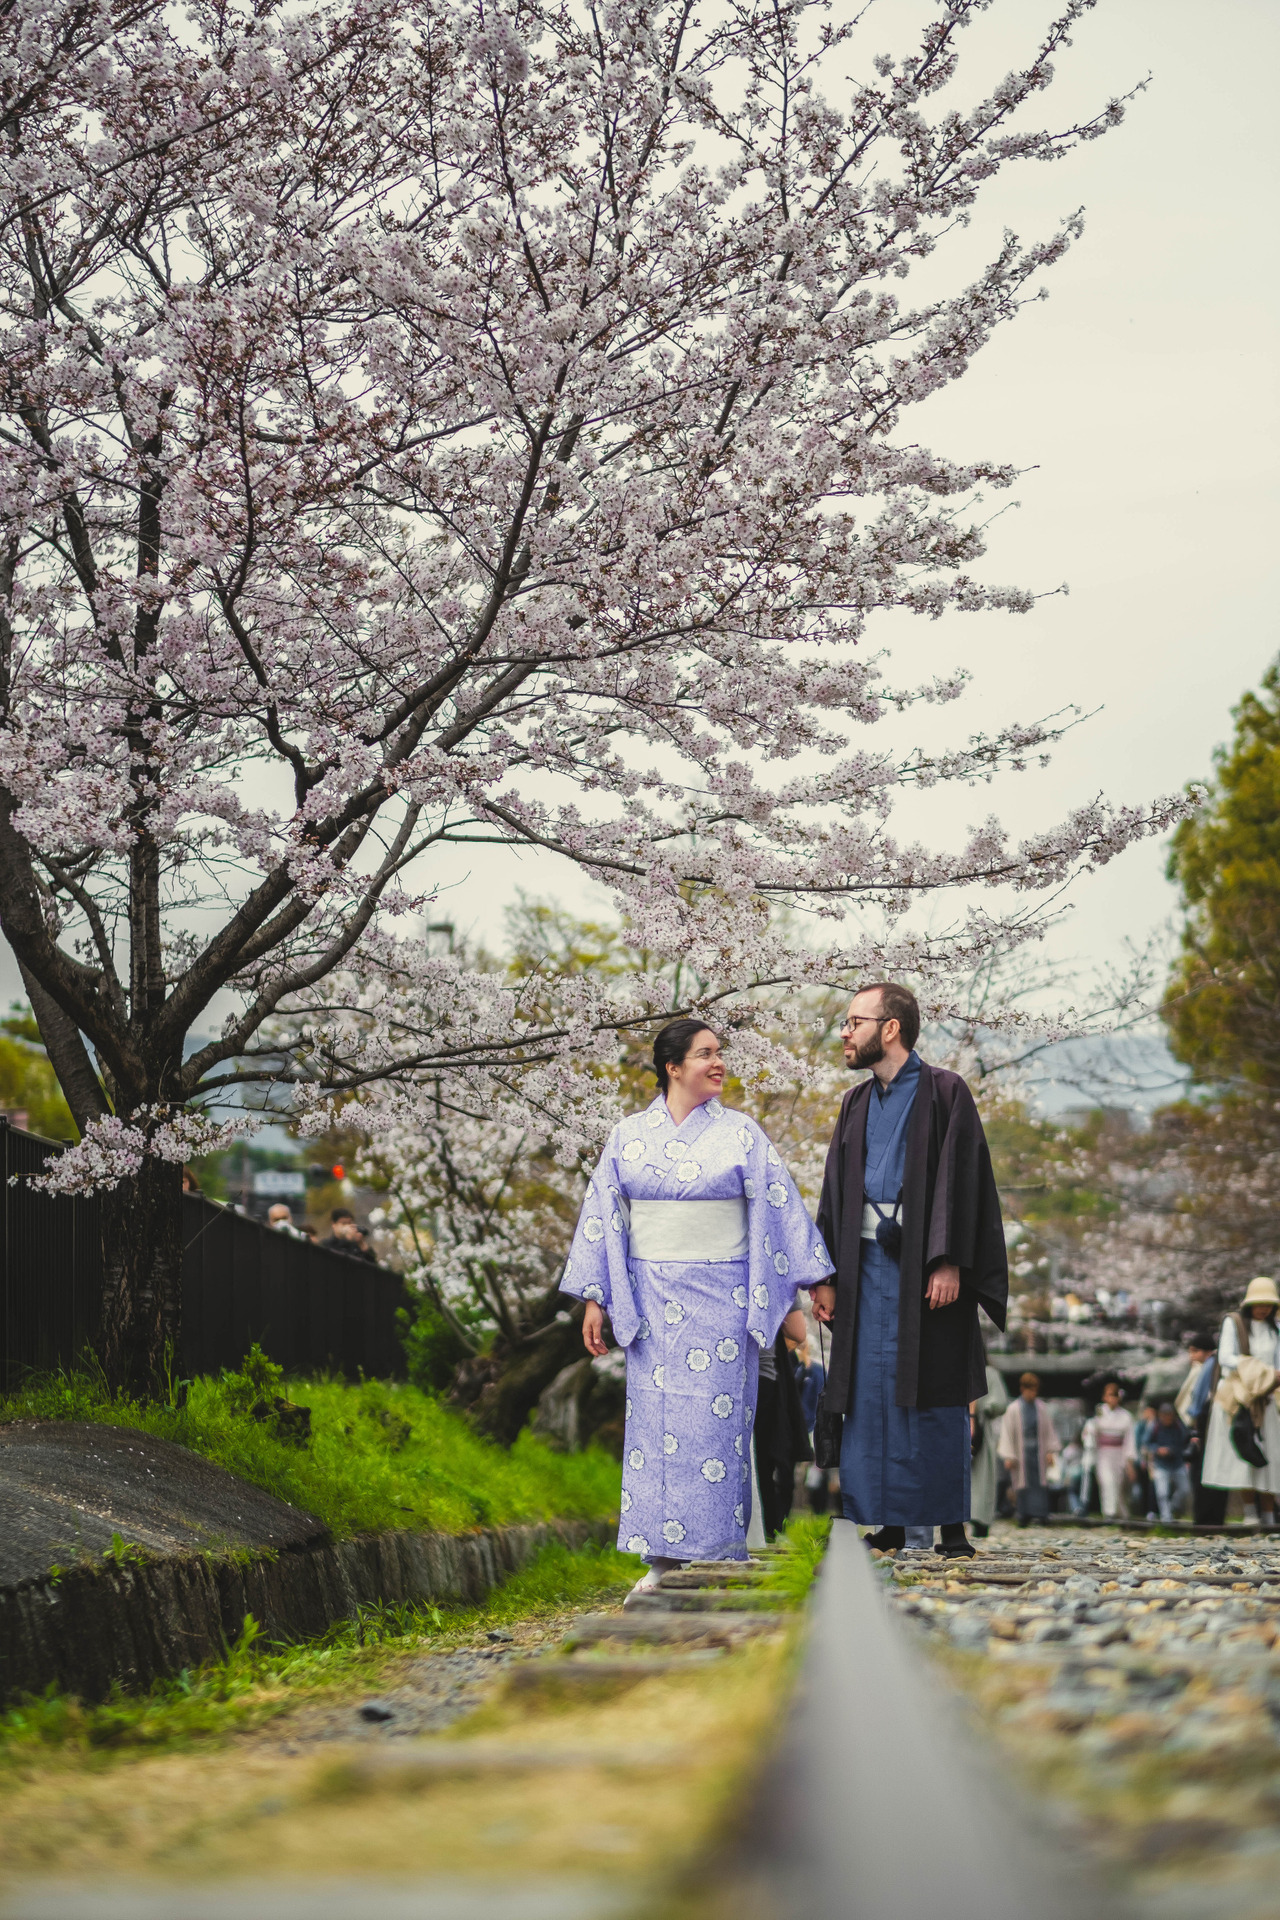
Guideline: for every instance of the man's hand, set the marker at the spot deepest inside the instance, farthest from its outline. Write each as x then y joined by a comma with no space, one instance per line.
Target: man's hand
824,1304
593,1329
943,1287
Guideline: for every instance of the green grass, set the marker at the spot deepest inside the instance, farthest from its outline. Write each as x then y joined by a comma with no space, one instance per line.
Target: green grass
381,1455
257,1680
800,1550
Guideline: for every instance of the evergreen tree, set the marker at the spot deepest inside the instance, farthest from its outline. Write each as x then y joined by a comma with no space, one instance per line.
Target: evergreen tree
1222,1005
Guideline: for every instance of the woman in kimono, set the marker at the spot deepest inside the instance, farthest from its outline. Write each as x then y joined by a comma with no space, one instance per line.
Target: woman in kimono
1117,1451
693,1239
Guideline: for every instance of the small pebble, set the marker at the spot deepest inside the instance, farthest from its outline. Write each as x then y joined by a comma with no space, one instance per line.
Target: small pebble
1112,1653
377,1710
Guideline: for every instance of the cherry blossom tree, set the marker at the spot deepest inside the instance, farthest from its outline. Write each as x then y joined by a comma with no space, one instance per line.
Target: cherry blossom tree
431,424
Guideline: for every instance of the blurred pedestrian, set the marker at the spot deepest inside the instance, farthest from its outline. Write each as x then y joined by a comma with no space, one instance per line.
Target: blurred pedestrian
1071,1464
822,1484
1113,1433
1028,1444
1167,1452
345,1236
1088,1464
781,1433
1193,1406
280,1219
1144,1492
985,1415
1249,1345
811,1377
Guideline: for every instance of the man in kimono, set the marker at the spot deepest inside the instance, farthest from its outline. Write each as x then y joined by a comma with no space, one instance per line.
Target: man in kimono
911,1217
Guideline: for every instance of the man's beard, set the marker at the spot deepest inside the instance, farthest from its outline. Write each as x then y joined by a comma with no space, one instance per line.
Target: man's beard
867,1052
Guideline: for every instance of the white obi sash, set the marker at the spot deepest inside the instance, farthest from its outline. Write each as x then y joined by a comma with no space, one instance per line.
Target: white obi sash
871,1219
697,1231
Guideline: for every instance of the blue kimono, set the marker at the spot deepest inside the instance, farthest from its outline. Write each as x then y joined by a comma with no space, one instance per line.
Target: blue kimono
899,1466
694,1320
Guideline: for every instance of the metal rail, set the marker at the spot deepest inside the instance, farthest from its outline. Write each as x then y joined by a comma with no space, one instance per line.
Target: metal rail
882,1803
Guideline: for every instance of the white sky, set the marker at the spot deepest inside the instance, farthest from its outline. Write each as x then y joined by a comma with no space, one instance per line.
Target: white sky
1144,395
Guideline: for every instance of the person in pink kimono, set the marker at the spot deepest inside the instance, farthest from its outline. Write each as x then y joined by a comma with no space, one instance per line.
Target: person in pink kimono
1117,1450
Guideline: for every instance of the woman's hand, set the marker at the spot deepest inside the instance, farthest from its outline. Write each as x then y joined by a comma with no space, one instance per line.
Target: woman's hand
824,1303
794,1330
593,1329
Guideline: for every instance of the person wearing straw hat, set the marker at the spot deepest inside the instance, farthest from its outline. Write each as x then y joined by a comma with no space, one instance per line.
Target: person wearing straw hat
1252,1333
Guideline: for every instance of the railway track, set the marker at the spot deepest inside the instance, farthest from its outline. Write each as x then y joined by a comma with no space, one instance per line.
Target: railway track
1083,1725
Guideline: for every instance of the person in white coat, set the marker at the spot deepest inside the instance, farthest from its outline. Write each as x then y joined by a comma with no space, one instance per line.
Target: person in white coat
1252,1331
985,1416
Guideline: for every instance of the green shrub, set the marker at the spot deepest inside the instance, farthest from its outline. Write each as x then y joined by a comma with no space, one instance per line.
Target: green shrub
433,1349
257,1379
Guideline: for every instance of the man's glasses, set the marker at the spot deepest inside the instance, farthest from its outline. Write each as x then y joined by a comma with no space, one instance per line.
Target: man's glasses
855,1020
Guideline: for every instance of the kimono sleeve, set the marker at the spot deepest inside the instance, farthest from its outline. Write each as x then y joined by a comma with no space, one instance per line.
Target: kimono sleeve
596,1268
785,1249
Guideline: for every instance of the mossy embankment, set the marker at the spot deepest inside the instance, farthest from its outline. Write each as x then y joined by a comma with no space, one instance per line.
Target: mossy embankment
140,1536
381,1455
257,1680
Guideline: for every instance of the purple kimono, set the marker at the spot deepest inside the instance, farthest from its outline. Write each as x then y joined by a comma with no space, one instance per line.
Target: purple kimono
693,1322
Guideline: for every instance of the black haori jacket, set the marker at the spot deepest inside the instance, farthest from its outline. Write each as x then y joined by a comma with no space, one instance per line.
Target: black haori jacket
950,1213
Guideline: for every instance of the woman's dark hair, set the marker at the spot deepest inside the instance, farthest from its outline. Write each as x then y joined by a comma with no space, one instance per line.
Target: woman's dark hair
672,1045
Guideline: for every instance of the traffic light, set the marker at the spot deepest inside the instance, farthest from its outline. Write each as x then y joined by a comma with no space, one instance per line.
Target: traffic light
318,1176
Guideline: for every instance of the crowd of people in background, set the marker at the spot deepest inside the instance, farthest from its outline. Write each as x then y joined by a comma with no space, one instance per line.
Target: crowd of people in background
345,1234
1165,1459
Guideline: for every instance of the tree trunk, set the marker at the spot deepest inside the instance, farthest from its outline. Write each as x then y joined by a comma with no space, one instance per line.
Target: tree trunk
500,1389
142,1279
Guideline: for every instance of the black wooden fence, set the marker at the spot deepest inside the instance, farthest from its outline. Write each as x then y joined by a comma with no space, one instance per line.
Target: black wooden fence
307,1307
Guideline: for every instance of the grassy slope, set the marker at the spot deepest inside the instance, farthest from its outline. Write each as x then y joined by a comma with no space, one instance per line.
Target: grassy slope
381,1455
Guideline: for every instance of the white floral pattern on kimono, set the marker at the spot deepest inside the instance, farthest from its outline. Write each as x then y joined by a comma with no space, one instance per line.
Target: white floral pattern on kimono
693,1329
